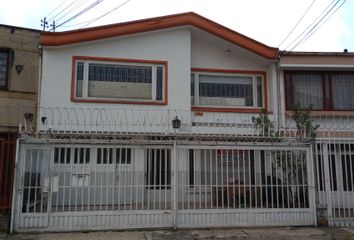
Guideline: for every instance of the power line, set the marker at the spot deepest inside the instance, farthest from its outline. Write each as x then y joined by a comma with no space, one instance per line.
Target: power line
81,12
292,30
94,20
56,15
314,22
314,26
56,8
319,26
76,6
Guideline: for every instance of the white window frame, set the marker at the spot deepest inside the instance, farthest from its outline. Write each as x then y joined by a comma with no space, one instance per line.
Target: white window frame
85,82
254,89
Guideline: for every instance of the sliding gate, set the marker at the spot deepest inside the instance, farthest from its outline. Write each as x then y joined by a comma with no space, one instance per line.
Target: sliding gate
88,186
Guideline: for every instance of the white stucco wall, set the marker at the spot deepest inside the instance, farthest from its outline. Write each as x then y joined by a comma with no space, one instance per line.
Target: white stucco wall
183,49
172,46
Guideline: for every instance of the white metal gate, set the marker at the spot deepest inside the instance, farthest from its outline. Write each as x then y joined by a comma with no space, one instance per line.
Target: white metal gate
62,187
223,186
334,167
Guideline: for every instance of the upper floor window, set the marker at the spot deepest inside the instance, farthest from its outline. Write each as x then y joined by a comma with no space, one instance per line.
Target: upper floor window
227,90
121,81
4,67
321,90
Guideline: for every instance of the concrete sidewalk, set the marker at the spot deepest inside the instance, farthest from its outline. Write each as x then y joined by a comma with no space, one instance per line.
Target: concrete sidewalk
288,233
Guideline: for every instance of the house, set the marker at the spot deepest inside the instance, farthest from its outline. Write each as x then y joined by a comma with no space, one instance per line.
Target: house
19,71
325,81
157,123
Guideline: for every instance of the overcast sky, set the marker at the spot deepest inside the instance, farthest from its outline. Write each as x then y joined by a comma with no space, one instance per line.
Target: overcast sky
267,21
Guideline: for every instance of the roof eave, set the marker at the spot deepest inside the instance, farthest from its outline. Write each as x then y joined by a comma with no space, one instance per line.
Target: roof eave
153,24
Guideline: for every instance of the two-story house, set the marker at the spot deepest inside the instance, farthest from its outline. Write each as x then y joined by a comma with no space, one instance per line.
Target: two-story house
173,121
19,72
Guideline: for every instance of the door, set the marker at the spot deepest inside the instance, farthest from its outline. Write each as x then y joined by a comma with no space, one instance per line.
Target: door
34,193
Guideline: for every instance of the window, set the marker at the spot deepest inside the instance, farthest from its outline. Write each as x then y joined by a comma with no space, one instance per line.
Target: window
229,90
4,67
114,156
62,155
158,169
321,90
122,81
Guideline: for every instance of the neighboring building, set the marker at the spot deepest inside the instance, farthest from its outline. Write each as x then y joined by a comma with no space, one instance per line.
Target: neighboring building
156,123
19,74
325,81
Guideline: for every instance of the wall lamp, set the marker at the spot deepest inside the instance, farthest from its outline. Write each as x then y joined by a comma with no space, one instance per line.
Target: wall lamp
19,68
43,120
176,123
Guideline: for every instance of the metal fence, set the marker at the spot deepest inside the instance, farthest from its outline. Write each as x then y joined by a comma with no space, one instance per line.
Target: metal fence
87,186
334,168
254,181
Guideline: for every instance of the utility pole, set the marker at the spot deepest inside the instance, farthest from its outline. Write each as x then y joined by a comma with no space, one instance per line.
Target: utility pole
53,26
44,23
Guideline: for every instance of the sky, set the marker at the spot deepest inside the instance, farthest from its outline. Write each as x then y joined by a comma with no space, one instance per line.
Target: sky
267,21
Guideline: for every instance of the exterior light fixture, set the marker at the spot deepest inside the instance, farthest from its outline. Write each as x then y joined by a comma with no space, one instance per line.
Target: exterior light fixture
19,68
176,123
43,120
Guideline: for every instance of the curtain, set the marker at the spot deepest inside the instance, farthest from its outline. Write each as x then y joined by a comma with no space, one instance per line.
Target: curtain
342,91
307,90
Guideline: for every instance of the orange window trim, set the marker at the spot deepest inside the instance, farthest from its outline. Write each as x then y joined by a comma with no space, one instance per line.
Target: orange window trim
226,110
73,98
240,110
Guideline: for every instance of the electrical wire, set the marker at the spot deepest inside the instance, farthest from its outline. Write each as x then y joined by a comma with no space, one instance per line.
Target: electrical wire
292,30
56,15
95,19
81,12
315,26
309,26
303,40
76,6
56,8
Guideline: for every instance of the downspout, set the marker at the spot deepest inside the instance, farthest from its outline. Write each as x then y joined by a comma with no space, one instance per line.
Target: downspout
40,51
277,76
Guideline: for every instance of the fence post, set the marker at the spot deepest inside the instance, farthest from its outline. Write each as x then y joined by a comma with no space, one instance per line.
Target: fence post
311,179
174,184
327,181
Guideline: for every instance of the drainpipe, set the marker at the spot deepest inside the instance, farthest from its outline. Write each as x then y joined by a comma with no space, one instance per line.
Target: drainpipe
280,97
14,188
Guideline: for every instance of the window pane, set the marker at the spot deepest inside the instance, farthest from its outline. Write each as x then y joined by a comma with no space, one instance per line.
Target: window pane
259,92
3,68
342,91
305,89
120,81
79,78
192,90
159,82
225,90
